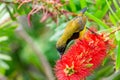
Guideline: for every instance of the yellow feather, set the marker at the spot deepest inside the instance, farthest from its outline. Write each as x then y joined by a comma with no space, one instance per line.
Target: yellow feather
81,34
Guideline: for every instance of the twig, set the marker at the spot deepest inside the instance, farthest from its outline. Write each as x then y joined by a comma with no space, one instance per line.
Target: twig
107,35
7,2
35,48
23,2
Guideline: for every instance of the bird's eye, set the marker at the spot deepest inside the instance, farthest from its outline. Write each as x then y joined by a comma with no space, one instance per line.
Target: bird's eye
81,24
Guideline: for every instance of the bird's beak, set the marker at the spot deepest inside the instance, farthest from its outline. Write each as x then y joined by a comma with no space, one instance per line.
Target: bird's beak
83,10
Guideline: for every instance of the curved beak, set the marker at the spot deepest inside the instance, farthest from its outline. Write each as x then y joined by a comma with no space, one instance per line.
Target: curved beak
83,10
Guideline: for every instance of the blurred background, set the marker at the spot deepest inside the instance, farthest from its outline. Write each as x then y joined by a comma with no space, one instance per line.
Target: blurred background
29,30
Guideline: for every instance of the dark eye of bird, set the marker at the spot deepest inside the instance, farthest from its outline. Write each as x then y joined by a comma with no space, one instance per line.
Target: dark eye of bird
81,24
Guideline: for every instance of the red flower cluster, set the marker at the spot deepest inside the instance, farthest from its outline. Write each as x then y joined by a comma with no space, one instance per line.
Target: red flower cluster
82,57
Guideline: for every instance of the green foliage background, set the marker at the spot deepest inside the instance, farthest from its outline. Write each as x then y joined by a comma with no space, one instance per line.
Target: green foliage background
19,62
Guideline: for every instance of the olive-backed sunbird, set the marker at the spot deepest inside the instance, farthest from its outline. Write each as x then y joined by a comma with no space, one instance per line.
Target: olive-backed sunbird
73,30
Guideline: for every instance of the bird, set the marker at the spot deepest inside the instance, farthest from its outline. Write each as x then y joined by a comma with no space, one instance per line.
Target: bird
74,29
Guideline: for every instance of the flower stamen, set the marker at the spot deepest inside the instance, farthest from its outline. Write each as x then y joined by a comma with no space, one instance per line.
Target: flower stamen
69,70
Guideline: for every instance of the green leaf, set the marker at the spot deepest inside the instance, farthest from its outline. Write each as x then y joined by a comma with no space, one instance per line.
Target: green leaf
113,20
72,6
104,71
2,70
2,11
97,20
98,2
116,4
3,65
10,13
104,62
83,3
58,32
108,3
98,14
118,56
118,13
90,1
3,38
117,35
5,57
104,11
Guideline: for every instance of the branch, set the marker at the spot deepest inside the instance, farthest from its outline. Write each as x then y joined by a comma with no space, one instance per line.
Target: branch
113,32
7,2
35,48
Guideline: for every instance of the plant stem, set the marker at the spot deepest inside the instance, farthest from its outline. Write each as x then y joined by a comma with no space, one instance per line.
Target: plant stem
35,48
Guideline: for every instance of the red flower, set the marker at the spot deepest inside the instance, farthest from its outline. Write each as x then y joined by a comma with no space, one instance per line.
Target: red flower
82,57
